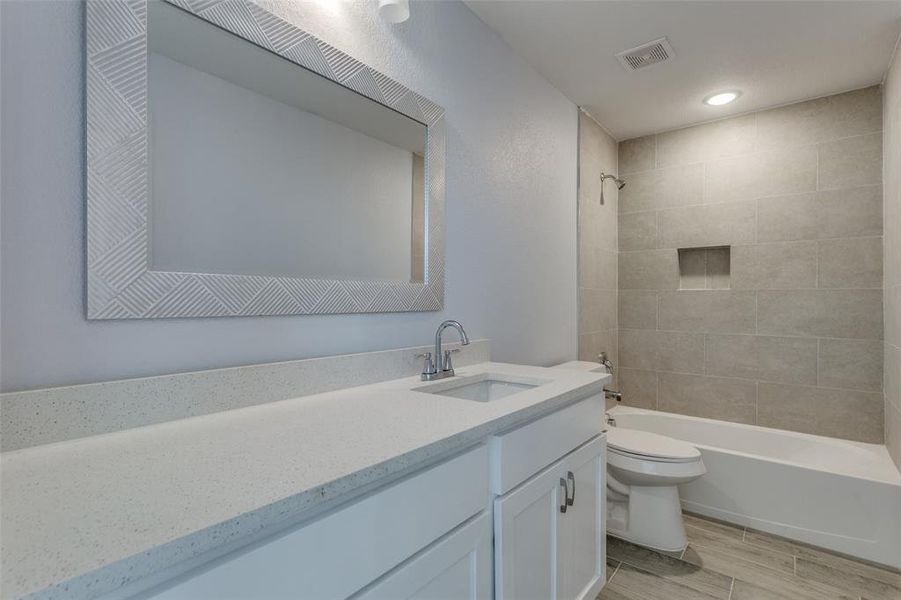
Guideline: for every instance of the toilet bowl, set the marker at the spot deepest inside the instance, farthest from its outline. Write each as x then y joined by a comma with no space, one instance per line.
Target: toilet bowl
643,472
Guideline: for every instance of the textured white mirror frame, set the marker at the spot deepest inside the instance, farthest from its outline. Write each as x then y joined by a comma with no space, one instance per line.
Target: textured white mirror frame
120,282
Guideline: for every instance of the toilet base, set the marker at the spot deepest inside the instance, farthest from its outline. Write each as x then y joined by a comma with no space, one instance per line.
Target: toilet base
650,516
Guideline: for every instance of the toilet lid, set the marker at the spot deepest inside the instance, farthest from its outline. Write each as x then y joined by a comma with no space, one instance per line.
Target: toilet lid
650,445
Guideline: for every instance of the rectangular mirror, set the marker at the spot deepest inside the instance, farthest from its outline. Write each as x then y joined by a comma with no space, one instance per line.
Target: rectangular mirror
259,167
239,166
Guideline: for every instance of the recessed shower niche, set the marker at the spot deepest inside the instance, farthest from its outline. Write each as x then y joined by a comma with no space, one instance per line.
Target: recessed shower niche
704,268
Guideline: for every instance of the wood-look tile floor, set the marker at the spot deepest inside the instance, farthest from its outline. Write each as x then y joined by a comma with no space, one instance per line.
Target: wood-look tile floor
727,562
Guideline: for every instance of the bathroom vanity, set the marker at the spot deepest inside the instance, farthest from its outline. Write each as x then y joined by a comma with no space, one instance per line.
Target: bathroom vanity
489,483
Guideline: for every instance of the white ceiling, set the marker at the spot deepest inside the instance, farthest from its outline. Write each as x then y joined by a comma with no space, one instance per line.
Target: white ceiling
776,52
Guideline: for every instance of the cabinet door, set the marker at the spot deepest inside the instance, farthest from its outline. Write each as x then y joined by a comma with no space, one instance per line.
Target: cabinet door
526,541
583,527
458,566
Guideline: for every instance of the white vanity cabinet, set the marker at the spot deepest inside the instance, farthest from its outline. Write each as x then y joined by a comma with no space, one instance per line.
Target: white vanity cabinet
421,537
549,537
520,516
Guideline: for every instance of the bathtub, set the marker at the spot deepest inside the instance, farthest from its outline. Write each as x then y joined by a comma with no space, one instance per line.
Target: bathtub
836,494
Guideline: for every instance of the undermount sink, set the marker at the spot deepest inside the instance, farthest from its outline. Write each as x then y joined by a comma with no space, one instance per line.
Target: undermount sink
484,387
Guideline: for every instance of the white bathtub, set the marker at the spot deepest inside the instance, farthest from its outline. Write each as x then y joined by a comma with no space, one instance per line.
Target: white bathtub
836,494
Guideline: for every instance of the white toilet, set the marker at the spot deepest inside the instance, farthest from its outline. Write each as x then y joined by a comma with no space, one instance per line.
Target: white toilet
643,470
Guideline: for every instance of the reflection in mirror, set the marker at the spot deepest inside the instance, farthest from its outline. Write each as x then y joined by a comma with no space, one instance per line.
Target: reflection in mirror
261,167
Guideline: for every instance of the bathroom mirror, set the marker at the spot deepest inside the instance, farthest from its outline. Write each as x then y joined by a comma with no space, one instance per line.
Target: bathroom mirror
239,166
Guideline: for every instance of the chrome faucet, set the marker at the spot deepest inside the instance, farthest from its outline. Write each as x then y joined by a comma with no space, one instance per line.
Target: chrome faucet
609,394
439,365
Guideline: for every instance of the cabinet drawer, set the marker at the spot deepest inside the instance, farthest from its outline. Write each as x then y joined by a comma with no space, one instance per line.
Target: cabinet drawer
520,453
345,550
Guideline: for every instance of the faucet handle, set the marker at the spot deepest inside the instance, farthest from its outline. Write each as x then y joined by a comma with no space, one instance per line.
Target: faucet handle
427,366
448,365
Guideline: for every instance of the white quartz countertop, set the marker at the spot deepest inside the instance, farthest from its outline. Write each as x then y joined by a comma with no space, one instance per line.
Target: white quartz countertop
83,517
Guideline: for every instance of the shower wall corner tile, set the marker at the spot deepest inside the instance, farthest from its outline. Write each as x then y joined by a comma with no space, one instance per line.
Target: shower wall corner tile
649,270
850,162
708,141
851,364
893,431
597,310
820,313
787,218
663,188
639,388
892,257
638,230
597,245
892,373
592,344
832,117
850,212
637,154
637,309
850,263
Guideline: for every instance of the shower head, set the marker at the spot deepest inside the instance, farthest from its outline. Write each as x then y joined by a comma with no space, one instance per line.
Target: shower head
620,184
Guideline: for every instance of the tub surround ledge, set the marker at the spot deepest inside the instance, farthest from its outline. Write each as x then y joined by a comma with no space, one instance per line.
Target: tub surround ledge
85,517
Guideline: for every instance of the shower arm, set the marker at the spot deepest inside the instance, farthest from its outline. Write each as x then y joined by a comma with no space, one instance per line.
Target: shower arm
620,184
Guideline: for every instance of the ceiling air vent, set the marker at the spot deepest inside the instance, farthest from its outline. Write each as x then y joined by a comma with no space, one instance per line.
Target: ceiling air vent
646,55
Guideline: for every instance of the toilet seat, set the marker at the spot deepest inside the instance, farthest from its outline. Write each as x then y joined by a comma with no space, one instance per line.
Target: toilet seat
643,445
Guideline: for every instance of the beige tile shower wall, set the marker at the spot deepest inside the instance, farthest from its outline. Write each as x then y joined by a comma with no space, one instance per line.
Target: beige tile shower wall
796,341
892,260
597,242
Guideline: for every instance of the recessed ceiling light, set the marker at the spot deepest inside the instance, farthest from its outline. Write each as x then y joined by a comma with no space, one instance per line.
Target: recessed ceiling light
394,11
721,98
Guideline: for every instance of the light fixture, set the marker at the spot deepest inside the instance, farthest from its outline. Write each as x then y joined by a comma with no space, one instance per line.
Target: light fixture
720,98
394,11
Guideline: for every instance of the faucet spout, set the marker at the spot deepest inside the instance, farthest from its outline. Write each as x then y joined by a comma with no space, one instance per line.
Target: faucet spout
439,360
441,364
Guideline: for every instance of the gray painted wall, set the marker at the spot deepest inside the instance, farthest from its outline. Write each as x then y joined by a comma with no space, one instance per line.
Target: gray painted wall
892,176
511,209
795,342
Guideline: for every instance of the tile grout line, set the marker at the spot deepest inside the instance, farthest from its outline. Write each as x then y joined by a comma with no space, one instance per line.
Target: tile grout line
817,183
757,150
749,199
766,335
747,379
619,563
819,342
